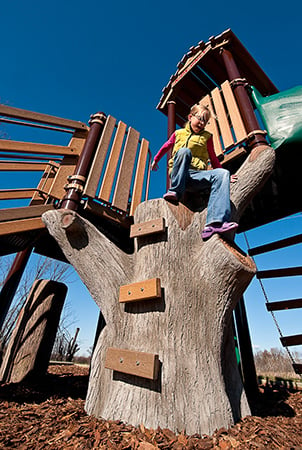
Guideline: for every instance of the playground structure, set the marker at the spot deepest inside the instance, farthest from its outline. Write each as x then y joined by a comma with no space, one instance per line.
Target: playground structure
80,177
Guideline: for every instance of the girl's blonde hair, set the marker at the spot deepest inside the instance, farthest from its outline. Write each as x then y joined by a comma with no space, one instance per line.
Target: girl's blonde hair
202,110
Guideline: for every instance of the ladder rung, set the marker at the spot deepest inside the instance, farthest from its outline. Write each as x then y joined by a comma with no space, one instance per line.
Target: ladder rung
274,273
276,245
298,368
291,340
284,304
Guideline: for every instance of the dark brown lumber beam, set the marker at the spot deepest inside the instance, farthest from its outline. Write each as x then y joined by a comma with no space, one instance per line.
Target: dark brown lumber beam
32,147
284,304
298,368
18,113
24,212
287,341
293,240
275,273
13,194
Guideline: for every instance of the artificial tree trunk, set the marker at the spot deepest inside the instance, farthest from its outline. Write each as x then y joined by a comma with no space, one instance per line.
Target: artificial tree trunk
198,387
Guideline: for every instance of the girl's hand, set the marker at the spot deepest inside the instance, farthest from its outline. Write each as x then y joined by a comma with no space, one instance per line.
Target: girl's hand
154,166
234,178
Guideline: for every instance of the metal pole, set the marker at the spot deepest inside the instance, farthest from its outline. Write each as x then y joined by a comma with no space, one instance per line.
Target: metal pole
11,282
77,181
244,103
246,353
171,129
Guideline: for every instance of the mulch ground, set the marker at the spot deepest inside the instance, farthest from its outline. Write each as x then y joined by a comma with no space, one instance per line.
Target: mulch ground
50,415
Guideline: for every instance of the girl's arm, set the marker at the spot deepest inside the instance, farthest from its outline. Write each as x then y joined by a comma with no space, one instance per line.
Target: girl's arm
213,158
162,151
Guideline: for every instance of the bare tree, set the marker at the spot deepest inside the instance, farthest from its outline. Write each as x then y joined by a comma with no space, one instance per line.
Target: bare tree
65,346
275,360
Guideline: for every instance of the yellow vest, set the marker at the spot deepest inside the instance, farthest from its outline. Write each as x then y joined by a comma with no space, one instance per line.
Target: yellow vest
197,143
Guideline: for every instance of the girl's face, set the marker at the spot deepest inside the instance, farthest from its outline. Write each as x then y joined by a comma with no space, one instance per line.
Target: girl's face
197,121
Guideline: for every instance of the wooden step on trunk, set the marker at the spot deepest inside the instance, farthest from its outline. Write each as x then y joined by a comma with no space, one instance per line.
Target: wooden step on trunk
143,290
141,364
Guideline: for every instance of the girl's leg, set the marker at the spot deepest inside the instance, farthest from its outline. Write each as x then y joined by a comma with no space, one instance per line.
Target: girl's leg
218,180
179,174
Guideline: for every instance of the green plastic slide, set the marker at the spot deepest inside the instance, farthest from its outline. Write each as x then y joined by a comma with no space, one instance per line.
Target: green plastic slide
281,115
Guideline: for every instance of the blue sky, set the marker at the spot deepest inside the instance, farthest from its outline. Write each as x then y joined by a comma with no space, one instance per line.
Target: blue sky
71,59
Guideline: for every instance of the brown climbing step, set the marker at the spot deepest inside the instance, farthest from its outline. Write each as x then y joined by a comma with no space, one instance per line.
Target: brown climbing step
147,228
141,364
143,290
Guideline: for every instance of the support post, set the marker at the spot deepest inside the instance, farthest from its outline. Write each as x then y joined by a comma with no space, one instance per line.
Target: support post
246,353
77,181
12,281
171,129
244,103
257,138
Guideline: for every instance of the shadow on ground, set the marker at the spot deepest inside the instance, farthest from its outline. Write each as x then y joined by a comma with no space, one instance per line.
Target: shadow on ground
51,385
272,397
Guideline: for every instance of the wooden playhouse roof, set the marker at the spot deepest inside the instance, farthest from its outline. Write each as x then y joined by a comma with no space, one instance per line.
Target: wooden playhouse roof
202,69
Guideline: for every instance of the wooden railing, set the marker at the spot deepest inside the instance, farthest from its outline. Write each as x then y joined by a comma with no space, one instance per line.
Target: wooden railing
226,124
117,181
121,166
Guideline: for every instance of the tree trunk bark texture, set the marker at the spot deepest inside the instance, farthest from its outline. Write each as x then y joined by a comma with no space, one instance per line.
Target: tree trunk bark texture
198,388
30,345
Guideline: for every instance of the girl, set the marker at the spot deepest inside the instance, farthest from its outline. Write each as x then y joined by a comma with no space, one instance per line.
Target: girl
192,146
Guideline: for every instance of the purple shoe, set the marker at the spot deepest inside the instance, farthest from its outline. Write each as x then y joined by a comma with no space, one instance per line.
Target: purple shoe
171,197
210,230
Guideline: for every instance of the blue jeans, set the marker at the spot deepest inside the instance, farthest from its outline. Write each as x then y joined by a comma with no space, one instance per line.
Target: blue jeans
218,180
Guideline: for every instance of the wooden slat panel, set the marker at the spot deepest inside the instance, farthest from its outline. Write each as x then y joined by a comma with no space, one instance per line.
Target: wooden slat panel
66,168
113,159
123,183
236,153
139,176
147,228
78,140
11,194
18,113
143,290
287,341
23,212
44,185
274,273
16,166
223,122
212,125
31,147
238,126
293,240
19,226
141,364
98,210
284,304
99,158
